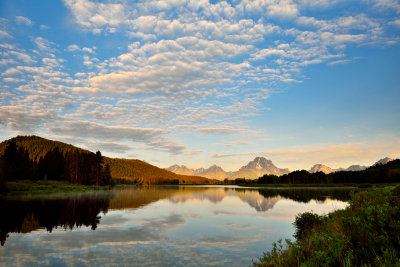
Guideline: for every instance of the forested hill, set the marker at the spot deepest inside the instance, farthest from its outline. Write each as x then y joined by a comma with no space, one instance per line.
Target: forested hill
38,147
47,155
143,172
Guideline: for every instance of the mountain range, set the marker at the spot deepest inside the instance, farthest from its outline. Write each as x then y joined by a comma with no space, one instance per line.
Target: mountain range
213,172
254,169
143,172
258,167
325,169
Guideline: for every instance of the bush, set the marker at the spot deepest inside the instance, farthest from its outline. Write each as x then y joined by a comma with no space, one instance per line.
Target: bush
365,233
305,222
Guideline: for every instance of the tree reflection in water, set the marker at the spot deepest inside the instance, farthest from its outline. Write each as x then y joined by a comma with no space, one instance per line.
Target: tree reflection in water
23,216
26,215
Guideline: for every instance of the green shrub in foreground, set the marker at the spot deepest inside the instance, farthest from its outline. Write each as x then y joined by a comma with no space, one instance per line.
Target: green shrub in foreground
365,233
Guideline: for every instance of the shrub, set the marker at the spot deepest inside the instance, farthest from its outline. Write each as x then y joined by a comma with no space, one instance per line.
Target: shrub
305,222
365,233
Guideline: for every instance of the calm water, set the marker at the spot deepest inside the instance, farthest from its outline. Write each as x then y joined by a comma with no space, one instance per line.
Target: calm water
157,226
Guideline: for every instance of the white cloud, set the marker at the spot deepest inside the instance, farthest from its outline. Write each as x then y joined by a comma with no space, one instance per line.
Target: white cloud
341,61
4,34
21,121
395,23
13,80
44,44
263,53
5,62
22,56
11,71
170,147
239,143
219,130
274,8
23,20
318,3
341,24
88,50
107,146
94,15
72,47
94,130
385,4
44,27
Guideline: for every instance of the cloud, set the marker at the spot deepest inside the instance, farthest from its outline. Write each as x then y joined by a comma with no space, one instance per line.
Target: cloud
341,61
26,58
72,47
108,147
23,20
385,5
4,34
168,146
239,143
218,130
88,50
318,3
274,8
44,27
93,15
44,44
341,24
99,131
395,23
18,120
75,47
263,53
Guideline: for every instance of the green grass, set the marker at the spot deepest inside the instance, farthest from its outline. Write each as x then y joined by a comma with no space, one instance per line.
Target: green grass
27,186
367,233
346,185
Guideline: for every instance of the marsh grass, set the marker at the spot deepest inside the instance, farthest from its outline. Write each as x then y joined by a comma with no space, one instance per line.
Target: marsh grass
367,233
43,186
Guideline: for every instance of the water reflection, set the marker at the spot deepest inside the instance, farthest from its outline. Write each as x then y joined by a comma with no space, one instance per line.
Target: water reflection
23,216
26,215
156,226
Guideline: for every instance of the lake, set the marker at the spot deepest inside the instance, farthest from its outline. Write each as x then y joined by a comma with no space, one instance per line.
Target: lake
155,226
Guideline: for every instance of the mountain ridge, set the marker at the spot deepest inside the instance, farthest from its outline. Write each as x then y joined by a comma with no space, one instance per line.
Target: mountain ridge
254,169
261,166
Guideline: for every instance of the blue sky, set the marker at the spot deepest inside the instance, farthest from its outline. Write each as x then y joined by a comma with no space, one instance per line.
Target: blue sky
206,82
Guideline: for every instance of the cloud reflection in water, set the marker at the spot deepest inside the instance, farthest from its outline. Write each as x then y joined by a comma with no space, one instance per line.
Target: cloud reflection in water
179,226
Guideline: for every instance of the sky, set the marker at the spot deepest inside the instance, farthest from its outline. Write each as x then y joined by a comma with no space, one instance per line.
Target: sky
203,82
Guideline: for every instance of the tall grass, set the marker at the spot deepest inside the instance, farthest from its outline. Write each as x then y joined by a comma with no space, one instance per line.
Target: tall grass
365,233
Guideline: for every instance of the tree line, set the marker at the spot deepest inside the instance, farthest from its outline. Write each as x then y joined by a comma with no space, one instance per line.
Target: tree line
381,173
74,166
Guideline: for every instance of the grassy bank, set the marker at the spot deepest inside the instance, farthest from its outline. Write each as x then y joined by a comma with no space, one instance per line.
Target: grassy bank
341,185
365,233
27,186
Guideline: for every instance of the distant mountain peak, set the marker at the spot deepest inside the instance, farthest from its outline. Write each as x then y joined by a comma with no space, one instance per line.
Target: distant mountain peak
180,169
257,168
321,168
383,161
259,163
352,168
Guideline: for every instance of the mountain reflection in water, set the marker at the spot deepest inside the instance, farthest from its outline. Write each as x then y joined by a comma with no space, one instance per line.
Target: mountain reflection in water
84,209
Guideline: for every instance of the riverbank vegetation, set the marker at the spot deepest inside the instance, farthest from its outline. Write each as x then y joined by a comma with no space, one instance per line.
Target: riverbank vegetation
378,174
41,186
365,233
